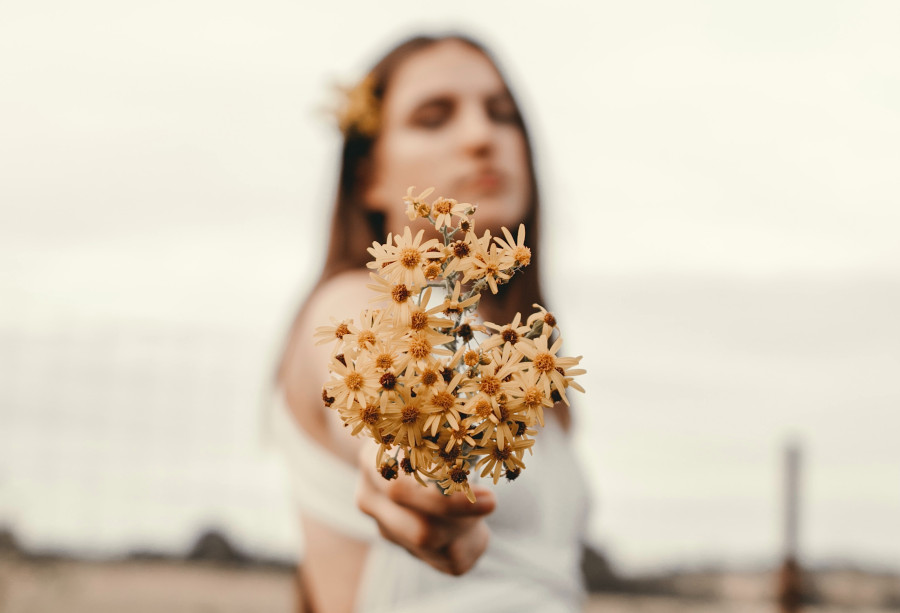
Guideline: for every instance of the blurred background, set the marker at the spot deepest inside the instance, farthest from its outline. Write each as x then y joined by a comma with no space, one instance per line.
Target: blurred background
722,222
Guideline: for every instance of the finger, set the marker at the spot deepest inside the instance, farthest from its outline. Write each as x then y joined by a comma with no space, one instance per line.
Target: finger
410,529
409,493
462,553
448,548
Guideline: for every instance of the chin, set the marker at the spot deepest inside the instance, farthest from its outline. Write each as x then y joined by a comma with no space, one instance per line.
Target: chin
495,215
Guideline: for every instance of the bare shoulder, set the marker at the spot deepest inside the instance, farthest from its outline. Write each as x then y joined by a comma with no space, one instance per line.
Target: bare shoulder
304,368
341,297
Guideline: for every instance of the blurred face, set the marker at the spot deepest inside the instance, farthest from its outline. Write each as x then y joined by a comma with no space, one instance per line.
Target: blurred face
448,122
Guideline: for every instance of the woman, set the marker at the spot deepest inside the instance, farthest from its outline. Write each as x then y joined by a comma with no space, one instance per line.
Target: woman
434,112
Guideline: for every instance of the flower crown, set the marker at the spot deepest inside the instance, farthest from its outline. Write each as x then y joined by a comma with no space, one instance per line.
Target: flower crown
360,110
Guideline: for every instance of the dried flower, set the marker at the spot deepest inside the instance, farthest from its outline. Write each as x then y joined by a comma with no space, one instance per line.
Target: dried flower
413,375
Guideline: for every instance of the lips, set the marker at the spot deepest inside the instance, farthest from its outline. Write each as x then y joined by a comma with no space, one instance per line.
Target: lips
484,182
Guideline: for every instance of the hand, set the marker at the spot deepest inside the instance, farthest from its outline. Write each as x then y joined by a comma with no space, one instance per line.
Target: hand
447,532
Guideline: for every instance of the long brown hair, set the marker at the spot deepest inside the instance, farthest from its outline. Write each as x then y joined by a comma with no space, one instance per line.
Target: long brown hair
354,226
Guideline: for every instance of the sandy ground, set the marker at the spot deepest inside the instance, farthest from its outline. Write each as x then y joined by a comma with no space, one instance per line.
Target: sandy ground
173,587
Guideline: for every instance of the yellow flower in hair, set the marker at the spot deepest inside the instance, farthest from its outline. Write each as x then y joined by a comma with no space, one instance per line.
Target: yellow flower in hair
360,112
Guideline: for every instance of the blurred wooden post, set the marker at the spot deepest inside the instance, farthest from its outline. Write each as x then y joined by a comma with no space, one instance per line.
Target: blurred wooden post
790,577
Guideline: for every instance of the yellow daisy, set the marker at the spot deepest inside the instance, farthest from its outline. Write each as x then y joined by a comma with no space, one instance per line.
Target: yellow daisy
453,307
455,478
516,250
352,382
542,315
445,397
371,327
419,348
531,396
443,209
491,267
497,458
508,334
336,331
405,419
397,296
545,362
404,261
416,205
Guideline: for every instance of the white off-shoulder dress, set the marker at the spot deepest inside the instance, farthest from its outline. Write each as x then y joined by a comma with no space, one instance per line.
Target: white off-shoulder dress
533,557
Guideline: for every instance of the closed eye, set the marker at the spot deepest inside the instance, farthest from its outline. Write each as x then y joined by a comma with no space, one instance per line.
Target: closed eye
502,109
433,113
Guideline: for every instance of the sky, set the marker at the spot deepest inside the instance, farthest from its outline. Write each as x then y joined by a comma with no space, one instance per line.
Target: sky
720,183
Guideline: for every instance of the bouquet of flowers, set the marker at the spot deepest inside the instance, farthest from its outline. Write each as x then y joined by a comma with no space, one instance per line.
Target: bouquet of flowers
441,393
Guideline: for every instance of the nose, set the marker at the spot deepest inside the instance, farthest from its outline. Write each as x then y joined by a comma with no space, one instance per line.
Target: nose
477,136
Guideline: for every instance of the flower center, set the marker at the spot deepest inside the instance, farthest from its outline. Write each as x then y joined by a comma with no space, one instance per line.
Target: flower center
510,336
353,381
544,362
522,256
533,397
366,337
501,454
418,320
384,361
443,400
443,207
341,330
388,471
458,475
409,415
429,378
410,257
419,347
400,293
388,380
483,409
490,385
370,414
460,249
